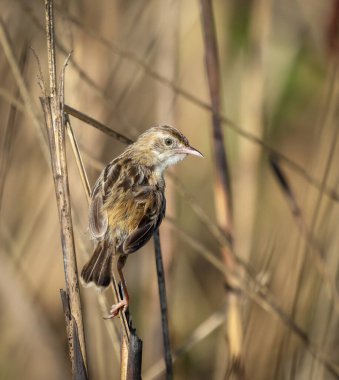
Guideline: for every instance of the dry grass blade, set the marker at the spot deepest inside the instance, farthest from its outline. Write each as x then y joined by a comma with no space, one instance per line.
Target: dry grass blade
332,107
11,99
94,123
29,106
319,257
78,159
10,131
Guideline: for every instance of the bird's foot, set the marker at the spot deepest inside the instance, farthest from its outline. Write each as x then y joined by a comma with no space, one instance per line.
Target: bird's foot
116,308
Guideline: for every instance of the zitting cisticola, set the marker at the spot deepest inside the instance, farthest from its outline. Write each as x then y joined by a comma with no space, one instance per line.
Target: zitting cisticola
128,203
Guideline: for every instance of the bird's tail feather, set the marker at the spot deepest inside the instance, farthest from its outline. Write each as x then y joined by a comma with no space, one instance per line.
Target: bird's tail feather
98,270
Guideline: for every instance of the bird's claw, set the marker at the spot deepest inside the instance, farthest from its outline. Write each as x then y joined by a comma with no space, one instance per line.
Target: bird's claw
116,308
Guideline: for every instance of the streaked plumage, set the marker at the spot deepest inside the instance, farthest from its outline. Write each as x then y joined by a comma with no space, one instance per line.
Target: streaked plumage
128,201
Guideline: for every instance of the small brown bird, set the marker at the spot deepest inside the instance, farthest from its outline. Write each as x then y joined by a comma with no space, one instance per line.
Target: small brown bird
128,203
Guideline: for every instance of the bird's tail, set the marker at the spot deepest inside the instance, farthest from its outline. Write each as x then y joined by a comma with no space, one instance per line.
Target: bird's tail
98,270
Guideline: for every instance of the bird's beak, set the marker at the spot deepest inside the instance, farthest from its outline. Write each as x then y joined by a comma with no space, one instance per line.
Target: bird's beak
189,150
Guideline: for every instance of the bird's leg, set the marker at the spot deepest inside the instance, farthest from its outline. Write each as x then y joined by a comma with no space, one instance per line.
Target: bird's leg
123,304
120,266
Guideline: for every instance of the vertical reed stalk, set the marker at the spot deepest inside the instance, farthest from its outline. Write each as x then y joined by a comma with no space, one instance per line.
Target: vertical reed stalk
163,306
223,198
53,110
131,344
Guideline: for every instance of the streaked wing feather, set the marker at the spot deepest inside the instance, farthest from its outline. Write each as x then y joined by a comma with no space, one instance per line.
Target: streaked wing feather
98,220
146,229
138,238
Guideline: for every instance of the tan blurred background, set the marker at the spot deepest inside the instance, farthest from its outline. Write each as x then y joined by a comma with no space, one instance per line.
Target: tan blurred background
279,82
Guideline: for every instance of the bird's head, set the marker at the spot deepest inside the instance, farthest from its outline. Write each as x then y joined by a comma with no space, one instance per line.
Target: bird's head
164,146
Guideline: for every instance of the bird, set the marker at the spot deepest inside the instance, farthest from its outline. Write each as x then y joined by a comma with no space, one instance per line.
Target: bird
128,204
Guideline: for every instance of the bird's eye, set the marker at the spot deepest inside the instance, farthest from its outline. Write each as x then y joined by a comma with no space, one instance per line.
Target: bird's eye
168,141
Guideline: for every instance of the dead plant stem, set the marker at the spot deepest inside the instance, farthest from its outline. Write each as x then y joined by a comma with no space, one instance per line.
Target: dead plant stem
223,195
52,106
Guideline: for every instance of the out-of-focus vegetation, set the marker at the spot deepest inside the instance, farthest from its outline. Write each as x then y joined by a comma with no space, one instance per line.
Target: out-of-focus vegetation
279,83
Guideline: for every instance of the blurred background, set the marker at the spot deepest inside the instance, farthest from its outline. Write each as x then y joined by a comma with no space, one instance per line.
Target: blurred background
279,83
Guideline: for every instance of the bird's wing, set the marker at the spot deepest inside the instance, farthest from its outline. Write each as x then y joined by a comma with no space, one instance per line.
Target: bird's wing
98,219
148,224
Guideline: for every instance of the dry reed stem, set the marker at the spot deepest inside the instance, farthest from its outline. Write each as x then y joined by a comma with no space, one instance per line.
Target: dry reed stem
112,331
134,358
251,113
53,111
223,196
123,357
148,70
163,305
122,317
96,124
78,159
30,108
207,327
